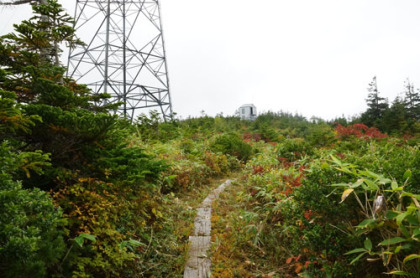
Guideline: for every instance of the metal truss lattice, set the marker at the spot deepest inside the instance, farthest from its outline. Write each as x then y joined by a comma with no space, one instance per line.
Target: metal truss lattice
123,55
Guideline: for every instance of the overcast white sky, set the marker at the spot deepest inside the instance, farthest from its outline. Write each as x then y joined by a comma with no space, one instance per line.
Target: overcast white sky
315,58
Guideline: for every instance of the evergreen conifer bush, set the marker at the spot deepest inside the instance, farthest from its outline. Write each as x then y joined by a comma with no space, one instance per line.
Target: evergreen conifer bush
31,227
293,149
233,145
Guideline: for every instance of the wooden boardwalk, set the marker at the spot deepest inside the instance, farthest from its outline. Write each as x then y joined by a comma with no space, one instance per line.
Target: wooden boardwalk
198,264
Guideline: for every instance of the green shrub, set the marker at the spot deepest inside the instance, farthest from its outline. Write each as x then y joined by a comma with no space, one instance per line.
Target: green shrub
293,149
31,242
390,224
414,183
232,144
320,135
313,224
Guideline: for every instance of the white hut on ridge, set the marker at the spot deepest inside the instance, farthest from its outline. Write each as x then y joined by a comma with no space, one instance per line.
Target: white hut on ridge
248,112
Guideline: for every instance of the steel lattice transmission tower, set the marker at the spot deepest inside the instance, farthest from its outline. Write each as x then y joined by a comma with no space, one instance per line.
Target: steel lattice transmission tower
124,53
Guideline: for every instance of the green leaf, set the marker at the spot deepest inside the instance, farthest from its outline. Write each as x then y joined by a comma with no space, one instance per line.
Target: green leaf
407,246
79,240
123,244
416,232
336,160
369,174
392,241
401,217
88,237
411,257
366,223
407,174
325,165
396,189
372,174
368,244
341,184
407,194
404,231
371,184
357,183
136,243
345,170
357,258
413,220
399,272
357,250
394,185
391,214
383,180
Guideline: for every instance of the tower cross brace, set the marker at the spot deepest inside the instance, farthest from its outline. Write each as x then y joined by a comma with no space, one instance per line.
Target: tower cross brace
124,54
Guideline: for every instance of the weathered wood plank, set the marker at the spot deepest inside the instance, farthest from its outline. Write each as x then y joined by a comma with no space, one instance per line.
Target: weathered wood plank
202,222
198,264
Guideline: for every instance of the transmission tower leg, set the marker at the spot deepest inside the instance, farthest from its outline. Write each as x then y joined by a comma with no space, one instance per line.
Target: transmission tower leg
124,54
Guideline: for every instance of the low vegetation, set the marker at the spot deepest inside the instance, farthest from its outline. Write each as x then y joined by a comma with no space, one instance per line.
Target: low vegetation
84,193
348,209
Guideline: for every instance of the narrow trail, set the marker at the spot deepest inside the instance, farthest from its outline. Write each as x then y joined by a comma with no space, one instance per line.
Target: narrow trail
198,264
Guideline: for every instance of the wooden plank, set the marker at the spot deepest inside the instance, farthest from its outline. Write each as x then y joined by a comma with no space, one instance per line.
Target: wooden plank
198,264
202,222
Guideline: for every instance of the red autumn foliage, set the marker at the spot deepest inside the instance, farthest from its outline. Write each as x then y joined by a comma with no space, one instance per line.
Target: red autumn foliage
285,162
297,265
308,214
291,181
341,155
360,131
257,169
251,137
